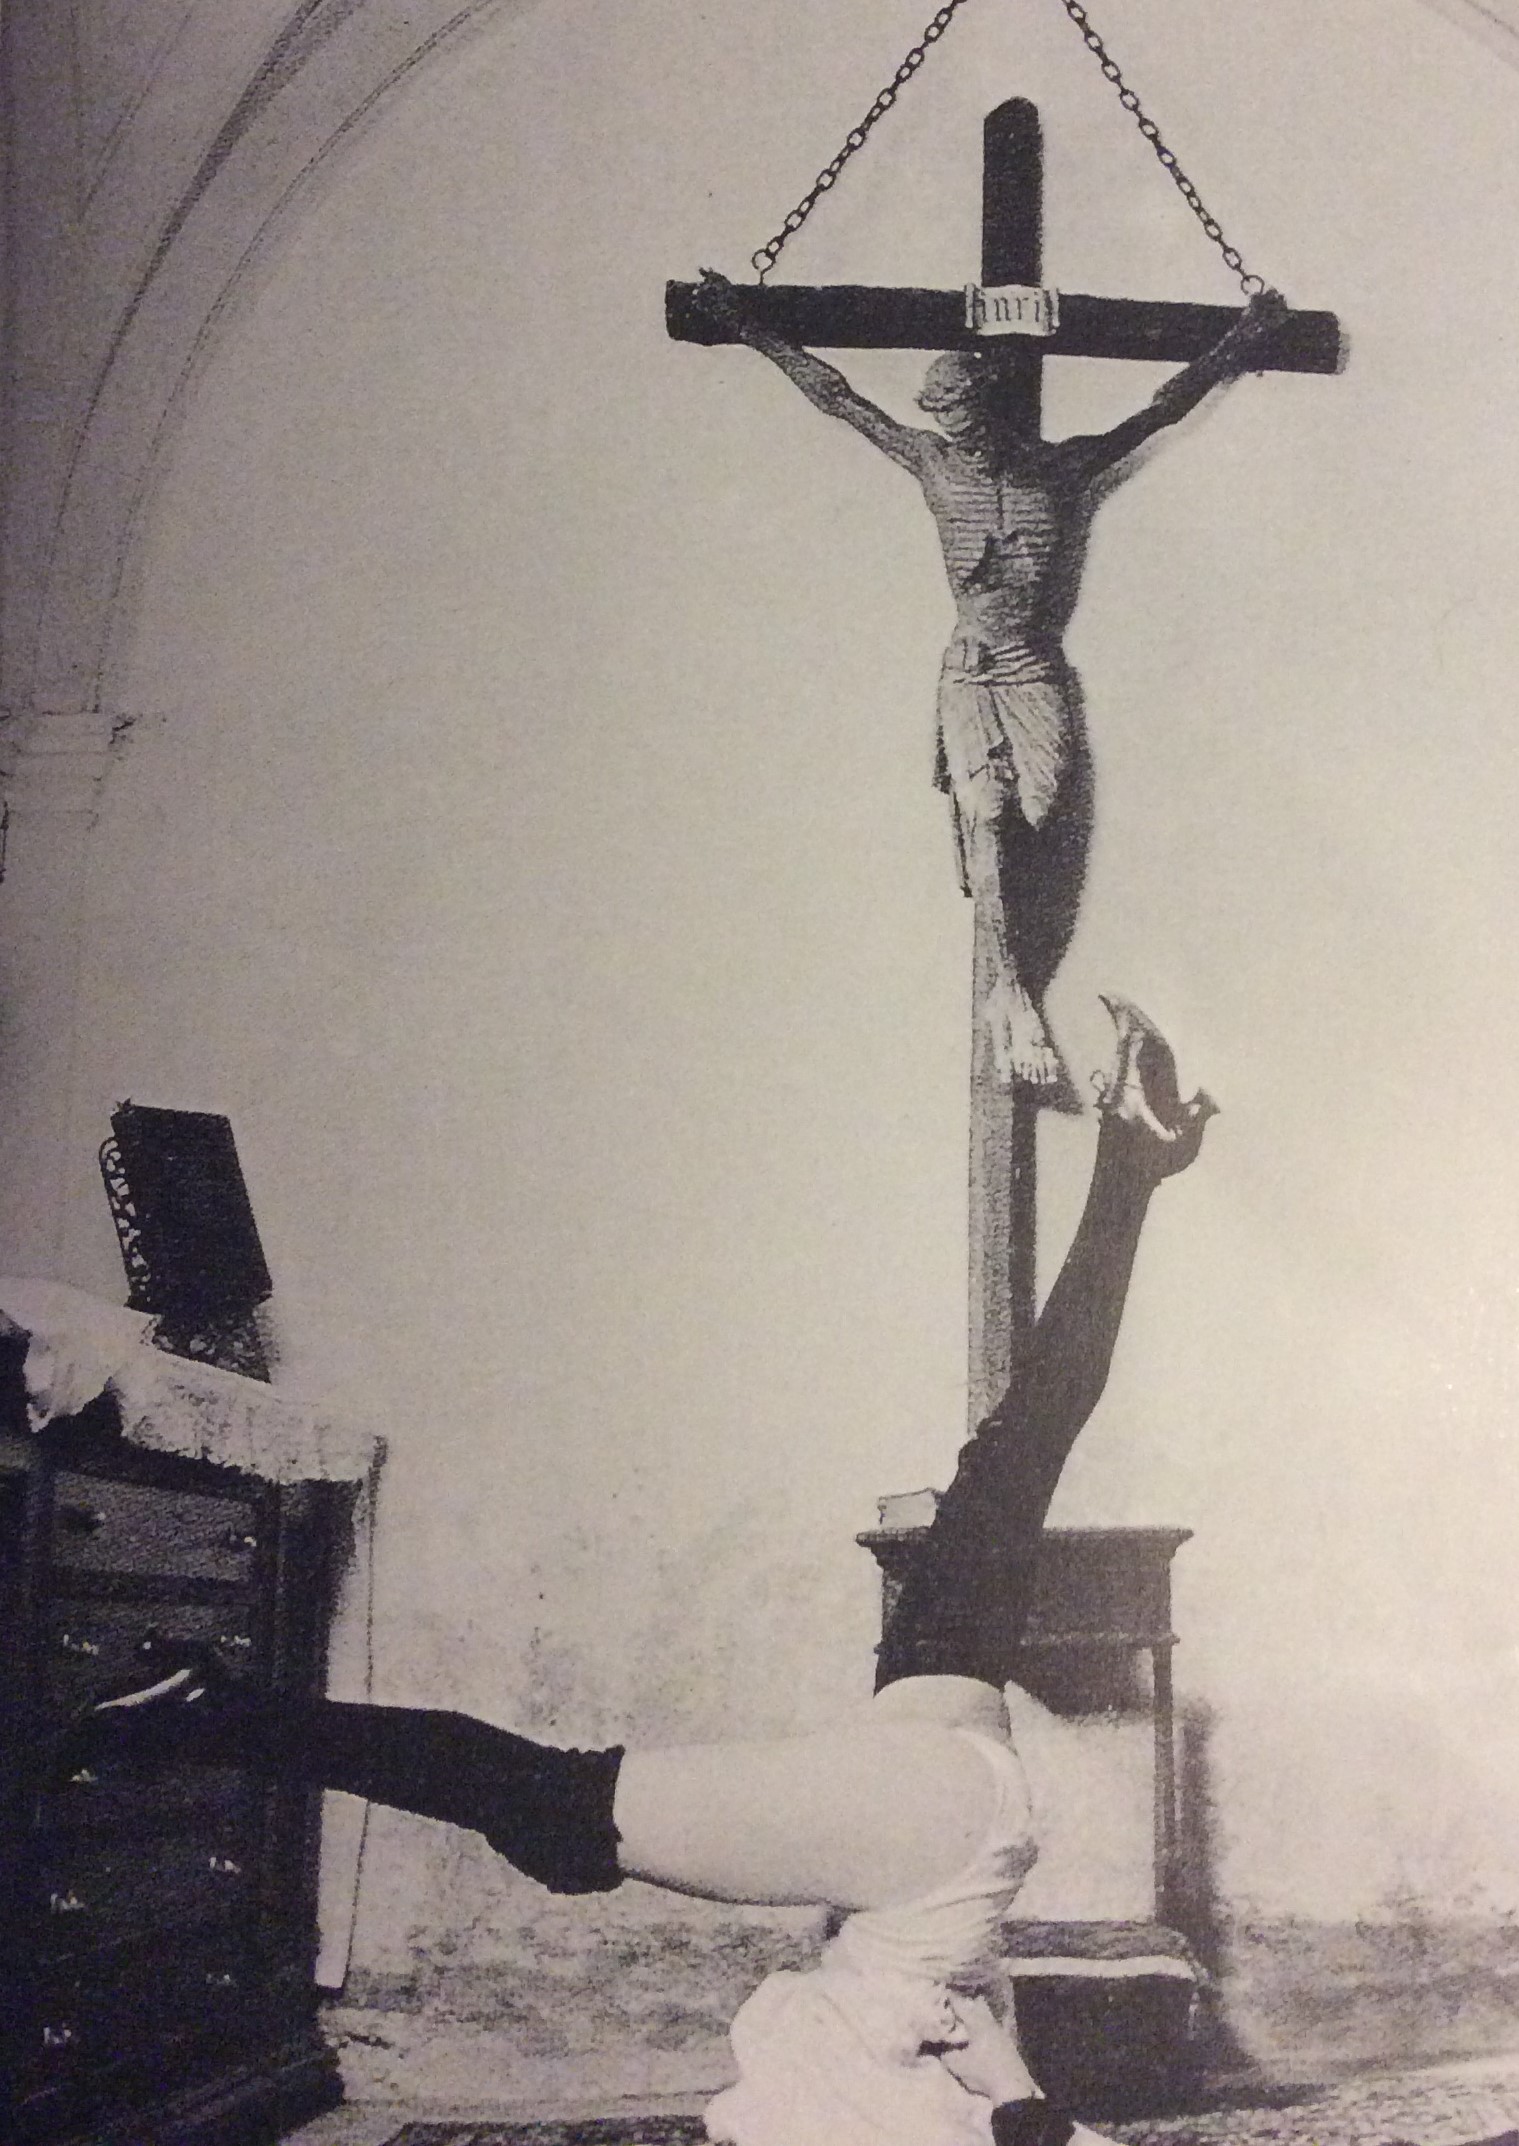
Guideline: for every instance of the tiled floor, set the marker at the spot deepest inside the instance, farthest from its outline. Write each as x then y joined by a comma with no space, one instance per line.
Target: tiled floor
1449,2105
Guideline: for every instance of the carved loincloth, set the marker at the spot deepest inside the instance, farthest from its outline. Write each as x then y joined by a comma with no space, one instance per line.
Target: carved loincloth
1006,721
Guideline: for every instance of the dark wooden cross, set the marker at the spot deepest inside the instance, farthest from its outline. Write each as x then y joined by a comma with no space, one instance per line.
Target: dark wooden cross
864,317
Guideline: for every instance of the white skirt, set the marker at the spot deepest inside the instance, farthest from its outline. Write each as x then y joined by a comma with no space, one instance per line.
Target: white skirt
843,2053
830,2057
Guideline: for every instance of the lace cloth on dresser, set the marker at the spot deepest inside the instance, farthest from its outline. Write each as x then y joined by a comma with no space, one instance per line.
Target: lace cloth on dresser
79,1347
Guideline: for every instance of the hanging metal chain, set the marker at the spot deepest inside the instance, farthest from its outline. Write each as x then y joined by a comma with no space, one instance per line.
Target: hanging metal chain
767,256
1249,283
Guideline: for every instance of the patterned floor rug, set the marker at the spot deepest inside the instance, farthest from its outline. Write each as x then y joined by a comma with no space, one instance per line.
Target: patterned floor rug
598,2131
1408,2109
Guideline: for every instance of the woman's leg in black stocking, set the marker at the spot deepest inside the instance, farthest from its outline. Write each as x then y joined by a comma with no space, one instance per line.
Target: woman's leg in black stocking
545,1809
964,1607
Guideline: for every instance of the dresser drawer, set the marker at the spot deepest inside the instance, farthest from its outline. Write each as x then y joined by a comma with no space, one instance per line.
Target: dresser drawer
88,1892
105,1526
157,1977
203,1799
144,2013
88,1647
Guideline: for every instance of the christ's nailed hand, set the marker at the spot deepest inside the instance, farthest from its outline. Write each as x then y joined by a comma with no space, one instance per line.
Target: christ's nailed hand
720,301
1265,312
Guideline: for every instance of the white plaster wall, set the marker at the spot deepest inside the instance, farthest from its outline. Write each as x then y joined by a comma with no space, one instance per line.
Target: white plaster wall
527,839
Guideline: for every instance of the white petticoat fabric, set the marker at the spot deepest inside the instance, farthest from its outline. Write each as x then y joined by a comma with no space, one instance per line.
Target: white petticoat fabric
835,2056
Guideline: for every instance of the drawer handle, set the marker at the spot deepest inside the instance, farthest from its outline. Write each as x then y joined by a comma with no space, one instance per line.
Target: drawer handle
234,1642
238,1539
225,1867
80,1520
58,2037
221,1982
84,1779
70,1643
68,1903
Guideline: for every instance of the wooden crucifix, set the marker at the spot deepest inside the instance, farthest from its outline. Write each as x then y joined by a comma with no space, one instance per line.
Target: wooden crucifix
1012,512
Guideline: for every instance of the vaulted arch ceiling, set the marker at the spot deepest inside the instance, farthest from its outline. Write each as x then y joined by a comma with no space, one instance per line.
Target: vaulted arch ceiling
152,147
1496,22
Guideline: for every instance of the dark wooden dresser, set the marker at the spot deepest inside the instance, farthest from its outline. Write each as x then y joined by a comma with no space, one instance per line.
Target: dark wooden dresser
157,1937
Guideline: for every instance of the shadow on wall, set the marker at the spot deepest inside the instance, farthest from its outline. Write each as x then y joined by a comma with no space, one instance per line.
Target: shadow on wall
1196,1907
1294,1998
1320,2000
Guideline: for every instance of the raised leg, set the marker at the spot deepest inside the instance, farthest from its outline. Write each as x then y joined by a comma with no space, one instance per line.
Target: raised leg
964,1607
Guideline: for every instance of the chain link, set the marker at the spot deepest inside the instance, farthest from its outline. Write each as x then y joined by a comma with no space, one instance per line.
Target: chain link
1249,283
767,256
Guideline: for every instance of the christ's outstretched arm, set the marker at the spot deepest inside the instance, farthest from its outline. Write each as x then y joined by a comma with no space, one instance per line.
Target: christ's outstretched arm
1230,355
823,385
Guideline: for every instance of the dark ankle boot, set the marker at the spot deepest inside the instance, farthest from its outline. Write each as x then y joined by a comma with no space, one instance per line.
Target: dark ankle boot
184,1707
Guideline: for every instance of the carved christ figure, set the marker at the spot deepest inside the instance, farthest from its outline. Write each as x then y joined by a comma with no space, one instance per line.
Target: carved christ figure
1012,511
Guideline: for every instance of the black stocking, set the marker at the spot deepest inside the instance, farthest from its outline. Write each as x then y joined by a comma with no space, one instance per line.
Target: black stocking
547,1810
963,1610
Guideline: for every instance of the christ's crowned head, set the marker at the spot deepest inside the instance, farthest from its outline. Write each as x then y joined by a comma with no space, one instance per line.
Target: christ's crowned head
964,393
